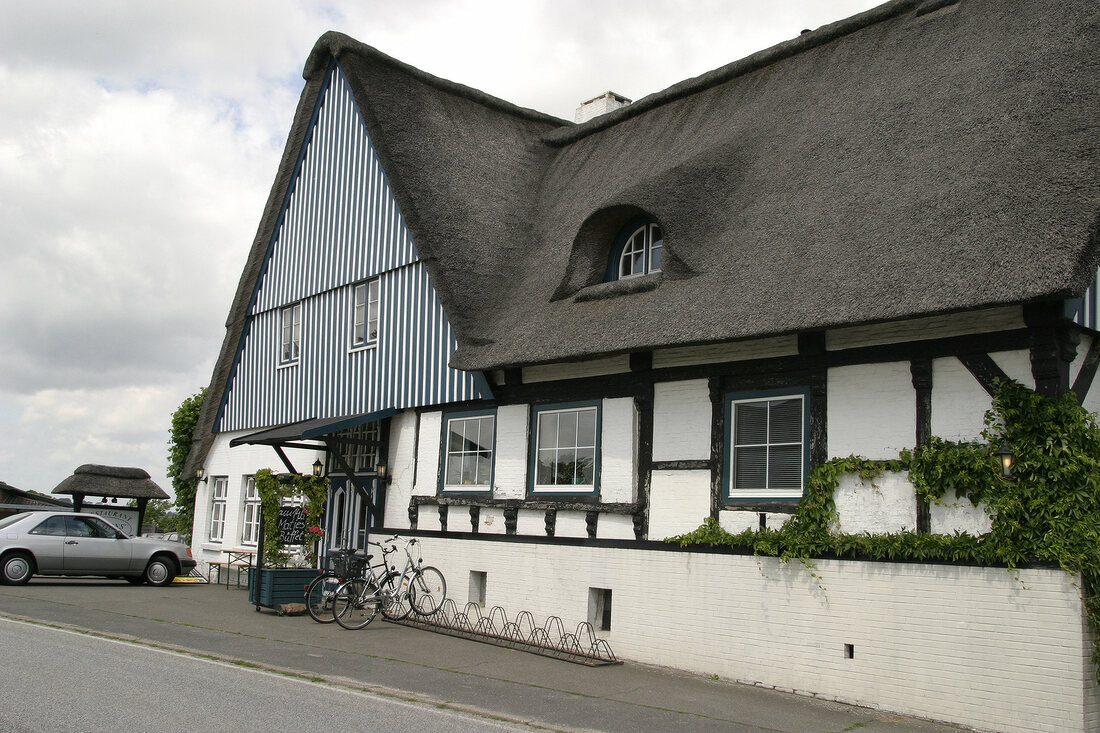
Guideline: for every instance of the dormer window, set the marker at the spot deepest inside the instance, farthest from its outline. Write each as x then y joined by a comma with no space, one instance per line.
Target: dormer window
638,253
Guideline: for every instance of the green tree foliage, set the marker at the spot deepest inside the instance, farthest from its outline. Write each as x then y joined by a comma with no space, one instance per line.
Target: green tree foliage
184,420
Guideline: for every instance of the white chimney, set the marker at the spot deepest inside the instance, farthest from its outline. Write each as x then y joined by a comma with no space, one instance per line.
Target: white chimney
601,105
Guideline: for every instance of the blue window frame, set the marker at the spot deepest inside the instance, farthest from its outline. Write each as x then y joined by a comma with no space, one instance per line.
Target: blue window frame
767,447
469,443
638,250
290,333
565,448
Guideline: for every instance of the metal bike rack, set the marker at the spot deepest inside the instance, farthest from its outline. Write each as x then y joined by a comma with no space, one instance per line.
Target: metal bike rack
549,640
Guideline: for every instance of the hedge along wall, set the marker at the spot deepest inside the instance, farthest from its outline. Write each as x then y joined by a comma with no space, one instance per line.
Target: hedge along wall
978,646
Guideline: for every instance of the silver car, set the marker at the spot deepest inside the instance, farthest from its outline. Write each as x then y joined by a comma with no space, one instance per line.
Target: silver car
65,543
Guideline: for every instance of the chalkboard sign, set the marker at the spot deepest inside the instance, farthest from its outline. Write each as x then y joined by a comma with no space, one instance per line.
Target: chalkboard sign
292,525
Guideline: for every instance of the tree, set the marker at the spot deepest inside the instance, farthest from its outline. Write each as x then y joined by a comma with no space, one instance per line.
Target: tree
184,420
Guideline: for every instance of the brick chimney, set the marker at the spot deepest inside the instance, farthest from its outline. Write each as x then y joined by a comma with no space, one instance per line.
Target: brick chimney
601,105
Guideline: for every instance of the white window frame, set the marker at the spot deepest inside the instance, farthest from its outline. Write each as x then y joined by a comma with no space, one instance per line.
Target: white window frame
290,334
647,242
366,306
732,446
250,512
219,492
465,419
536,449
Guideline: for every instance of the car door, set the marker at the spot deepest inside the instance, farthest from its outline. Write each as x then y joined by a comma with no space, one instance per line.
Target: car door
94,547
47,542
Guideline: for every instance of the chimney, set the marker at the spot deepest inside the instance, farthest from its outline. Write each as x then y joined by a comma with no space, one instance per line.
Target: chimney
601,105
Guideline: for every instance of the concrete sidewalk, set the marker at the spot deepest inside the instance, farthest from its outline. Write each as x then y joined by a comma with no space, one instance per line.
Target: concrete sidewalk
437,669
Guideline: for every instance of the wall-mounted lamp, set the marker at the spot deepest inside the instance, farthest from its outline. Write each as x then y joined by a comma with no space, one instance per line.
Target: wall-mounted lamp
103,500
114,499
200,473
318,468
383,472
1007,458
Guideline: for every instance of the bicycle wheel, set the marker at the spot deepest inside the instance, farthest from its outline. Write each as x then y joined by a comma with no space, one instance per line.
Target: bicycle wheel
355,604
427,591
319,595
395,606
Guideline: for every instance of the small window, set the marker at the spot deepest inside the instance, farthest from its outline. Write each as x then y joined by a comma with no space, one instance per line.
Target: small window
766,445
291,333
468,451
566,449
364,330
218,495
638,253
250,512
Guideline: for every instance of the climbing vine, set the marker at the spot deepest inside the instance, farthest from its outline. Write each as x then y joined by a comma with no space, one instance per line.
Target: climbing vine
272,490
1048,511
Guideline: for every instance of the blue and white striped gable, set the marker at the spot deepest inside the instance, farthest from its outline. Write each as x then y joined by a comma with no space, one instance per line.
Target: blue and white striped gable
340,225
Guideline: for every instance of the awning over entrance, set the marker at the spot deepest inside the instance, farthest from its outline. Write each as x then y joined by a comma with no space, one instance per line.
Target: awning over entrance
315,429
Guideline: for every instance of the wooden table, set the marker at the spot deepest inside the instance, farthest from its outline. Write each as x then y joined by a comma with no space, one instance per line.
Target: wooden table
238,557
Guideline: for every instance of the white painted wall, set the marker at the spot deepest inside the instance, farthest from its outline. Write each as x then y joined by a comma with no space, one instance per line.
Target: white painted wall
953,514
958,402
975,646
872,410
681,421
679,501
236,464
884,504
510,457
618,451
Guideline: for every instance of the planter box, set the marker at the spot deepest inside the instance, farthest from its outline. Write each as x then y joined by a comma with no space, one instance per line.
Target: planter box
279,586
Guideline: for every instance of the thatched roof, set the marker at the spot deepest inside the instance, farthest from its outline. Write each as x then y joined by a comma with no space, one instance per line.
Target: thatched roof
922,157
125,483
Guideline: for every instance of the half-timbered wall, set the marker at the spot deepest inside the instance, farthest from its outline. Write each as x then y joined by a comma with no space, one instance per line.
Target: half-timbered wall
341,226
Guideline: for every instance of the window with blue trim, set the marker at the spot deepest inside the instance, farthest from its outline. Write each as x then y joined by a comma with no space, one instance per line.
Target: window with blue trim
290,327
566,449
767,446
469,441
638,251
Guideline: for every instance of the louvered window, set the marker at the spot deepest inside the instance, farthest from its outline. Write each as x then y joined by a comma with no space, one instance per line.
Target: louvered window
767,446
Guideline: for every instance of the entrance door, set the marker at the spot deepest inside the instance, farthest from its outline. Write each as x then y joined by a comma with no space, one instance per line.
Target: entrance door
350,520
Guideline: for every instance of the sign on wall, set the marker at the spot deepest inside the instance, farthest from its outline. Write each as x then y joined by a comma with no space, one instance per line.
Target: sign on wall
124,519
292,525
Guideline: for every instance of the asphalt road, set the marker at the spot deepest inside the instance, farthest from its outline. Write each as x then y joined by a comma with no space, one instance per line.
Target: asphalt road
60,681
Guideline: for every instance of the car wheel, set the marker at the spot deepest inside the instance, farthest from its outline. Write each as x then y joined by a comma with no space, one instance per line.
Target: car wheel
17,568
159,572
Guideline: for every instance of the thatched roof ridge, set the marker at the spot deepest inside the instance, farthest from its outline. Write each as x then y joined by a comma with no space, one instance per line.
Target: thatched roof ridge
121,481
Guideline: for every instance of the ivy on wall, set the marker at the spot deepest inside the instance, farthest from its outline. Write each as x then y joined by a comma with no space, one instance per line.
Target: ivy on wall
1048,511
272,490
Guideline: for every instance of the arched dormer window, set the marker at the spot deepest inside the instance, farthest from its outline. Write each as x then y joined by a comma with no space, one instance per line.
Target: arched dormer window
637,251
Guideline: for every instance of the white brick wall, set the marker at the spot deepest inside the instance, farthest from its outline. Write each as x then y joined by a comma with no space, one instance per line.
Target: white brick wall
953,514
428,453
872,410
618,451
736,522
958,402
886,503
969,645
681,421
679,501
510,459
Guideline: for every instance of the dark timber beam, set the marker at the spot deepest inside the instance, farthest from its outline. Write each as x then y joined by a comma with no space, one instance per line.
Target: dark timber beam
1053,347
985,370
1083,383
921,371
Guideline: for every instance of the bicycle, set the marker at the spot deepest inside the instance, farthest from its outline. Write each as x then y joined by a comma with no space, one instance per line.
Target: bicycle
418,587
346,563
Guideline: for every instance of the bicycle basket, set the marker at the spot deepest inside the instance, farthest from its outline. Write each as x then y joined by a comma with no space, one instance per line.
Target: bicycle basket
348,566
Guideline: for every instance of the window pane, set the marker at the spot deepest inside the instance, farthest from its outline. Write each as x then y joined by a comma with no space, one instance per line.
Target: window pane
586,462
545,472
469,469
455,436
750,468
750,423
785,467
485,436
566,466
484,468
548,430
454,470
655,258
786,421
567,429
586,429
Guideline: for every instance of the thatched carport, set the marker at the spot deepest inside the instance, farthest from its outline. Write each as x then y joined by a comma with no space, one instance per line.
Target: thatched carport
111,481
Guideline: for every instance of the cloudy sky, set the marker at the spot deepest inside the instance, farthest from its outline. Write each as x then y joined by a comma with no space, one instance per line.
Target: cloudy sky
139,140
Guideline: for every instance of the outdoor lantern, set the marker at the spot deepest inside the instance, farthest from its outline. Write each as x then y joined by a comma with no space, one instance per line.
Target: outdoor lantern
1007,458
317,468
200,472
381,468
